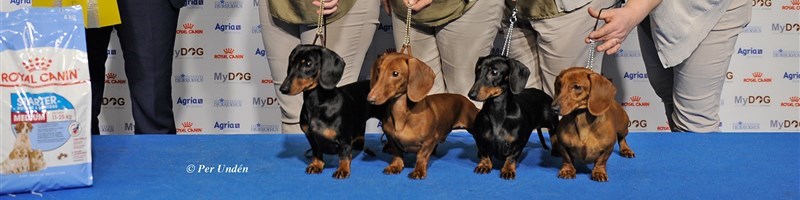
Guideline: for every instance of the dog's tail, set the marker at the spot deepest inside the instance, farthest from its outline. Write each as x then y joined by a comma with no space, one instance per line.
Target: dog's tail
541,138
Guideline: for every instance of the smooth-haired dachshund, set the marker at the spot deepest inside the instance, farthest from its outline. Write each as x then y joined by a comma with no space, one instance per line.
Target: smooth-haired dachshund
509,114
415,122
332,118
592,122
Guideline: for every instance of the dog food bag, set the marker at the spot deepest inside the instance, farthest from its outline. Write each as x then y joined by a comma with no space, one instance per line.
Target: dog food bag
45,100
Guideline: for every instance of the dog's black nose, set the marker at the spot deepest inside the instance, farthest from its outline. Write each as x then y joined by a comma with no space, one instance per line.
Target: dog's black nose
285,88
371,100
556,107
472,95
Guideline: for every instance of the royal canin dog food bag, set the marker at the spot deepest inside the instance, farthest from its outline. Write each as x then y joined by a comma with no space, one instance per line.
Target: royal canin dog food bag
45,101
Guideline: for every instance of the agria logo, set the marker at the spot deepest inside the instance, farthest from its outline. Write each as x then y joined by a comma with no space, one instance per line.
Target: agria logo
635,76
228,27
792,76
227,125
20,2
750,51
189,101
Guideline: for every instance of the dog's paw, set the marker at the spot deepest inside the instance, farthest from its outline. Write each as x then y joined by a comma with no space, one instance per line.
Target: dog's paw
566,173
628,153
392,170
482,169
508,174
314,169
600,176
417,174
341,174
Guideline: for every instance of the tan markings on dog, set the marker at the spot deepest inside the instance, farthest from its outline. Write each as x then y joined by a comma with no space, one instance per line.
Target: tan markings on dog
302,84
304,128
329,133
486,92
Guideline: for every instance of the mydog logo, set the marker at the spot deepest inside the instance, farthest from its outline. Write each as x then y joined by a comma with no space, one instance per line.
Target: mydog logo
263,128
637,76
752,100
751,29
762,4
256,29
267,81
794,101
191,52
385,27
750,52
106,128
190,102
183,78
636,101
628,53
255,3
18,2
265,102
111,52
228,27
746,126
194,4
758,77
111,78
228,103
223,4
638,124
38,72
784,124
781,53
786,27
189,29
228,53
792,76
794,6
227,125
188,127
234,77
113,102
663,127
261,52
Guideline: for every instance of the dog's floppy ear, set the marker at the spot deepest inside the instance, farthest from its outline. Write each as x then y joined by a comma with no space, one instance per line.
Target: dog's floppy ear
331,69
373,72
518,77
420,79
601,94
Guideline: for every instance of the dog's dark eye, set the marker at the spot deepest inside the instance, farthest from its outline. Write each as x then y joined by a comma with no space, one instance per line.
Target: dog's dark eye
395,73
577,87
494,72
308,63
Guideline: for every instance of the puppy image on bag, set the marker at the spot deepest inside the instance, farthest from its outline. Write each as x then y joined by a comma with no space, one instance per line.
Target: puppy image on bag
332,118
592,122
509,114
415,122
23,158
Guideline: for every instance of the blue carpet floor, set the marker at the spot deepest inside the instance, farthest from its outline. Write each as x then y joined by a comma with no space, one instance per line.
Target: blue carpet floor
667,166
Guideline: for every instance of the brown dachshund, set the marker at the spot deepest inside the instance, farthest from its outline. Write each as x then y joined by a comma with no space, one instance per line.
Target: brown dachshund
592,122
415,122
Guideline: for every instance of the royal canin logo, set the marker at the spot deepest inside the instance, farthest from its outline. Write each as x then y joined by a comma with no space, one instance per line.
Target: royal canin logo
758,77
795,6
267,81
37,74
636,101
793,102
228,53
111,78
186,127
188,29
664,127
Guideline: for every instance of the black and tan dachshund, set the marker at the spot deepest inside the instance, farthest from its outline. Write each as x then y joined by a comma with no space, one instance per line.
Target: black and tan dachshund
332,118
509,114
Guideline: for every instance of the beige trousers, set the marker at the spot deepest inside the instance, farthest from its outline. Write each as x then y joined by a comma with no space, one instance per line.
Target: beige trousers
350,37
691,90
453,49
549,46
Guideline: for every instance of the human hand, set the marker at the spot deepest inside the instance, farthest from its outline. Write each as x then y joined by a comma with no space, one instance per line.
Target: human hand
329,7
619,23
417,5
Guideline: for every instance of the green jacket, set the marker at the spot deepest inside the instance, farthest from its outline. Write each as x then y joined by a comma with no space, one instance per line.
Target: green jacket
438,13
303,12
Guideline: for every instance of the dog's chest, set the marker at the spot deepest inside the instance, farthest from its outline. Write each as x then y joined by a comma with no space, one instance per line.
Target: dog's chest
585,142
